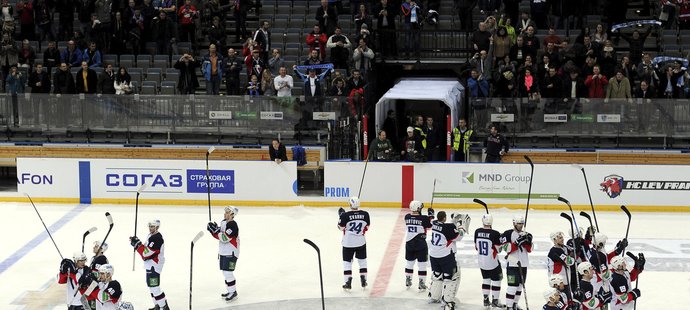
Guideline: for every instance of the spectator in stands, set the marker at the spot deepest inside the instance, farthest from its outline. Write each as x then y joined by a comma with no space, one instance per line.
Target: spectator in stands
591,48
129,11
123,82
510,29
552,85
543,67
483,61
539,10
481,39
277,152
312,84
187,15
527,64
212,68
80,40
644,91
669,87
65,9
381,148
327,16
169,7
15,81
356,81
249,46
524,23
412,17
27,55
97,32
312,59
316,40
362,57
39,80
505,85
164,32
84,10
103,12
608,61
119,36
337,89
216,34
596,83
646,71
136,27
283,83
86,80
574,86
519,51
502,43
25,13
435,136
150,14
9,54
63,80
253,87
551,51
600,35
552,37
478,86
628,70
275,62
267,88
528,85
188,82
465,8
362,17
71,55
588,68
232,66
385,14
531,41
51,57
636,44
44,20
365,34
239,10
92,56
213,8
262,37
571,52
255,65
619,87
106,80
412,149
496,145
339,46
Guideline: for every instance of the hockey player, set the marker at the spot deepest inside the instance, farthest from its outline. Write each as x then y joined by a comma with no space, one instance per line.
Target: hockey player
354,224
106,292
553,298
599,258
566,301
624,295
415,242
152,251
70,273
558,261
593,296
446,277
517,243
487,243
228,235
99,257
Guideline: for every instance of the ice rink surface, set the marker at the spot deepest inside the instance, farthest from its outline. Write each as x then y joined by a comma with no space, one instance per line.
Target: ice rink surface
277,270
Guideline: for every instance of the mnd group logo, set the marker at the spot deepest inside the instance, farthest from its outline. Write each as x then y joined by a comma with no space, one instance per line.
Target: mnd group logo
613,185
467,177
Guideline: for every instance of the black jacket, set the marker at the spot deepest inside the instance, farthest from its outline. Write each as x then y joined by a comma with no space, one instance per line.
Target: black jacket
106,83
42,77
280,153
580,87
494,145
91,82
64,82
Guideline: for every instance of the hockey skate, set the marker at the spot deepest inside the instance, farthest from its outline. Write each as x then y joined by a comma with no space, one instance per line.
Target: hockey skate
231,297
363,279
157,307
449,305
496,305
487,303
514,307
408,281
422,285
348,284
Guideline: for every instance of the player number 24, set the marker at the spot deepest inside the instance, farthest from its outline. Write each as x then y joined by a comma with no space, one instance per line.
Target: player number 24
355,227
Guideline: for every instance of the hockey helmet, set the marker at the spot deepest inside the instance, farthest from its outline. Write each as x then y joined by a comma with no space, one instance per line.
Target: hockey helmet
232,209
550,294
618,262
156,223
107,269
104,247
600,240
518,219
487,220
555,280
555,235
79,256
416,206
584,267
354,203
125,306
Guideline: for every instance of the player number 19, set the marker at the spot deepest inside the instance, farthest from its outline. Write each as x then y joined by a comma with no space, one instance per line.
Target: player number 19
483,248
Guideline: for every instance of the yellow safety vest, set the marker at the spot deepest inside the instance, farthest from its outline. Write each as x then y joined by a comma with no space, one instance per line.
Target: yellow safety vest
458,136
423,135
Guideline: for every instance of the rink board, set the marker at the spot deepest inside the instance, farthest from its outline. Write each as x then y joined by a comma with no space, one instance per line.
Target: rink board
183,182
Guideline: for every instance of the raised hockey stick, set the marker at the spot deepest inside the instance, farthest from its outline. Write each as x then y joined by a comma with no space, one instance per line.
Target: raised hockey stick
136,217
433,191
572,214
44,225
637,280
318,254
83,238
572,236
361,183
191,264
627,230
475,200
110,222
529,191
522,281
596,256
208,182
589,195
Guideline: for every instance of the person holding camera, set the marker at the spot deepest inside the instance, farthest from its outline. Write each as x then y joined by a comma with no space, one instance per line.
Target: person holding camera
188,82
381,148
15,85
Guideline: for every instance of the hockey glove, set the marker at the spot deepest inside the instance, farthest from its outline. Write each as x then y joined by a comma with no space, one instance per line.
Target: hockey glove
620,246
636,293
212,227
86,279
639,263
134,241
67,266
430,212
590,232
461,221
577,294
605,297
341,211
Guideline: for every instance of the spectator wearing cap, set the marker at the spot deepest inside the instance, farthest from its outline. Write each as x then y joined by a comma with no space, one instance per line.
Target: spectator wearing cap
412,149
255,65
316,40
365,34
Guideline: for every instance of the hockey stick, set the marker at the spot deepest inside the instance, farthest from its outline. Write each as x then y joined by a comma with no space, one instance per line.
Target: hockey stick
529,191
361,183
577,228
44,225
136,217
83,239
572,214
433,191
110,222
572,236
637,280
522,281
318,254
627,230
191,265
208,182
589,194
481,203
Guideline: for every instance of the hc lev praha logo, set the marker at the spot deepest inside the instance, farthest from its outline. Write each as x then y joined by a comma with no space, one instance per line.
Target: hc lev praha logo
614,184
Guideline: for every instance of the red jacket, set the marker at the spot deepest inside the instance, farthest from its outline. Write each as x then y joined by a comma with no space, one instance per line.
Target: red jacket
596,88
317,41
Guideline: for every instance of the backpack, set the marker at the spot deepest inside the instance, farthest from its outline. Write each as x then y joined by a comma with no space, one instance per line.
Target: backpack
299,155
